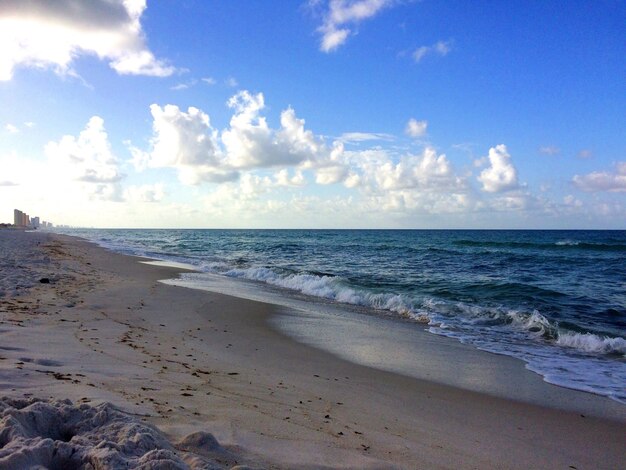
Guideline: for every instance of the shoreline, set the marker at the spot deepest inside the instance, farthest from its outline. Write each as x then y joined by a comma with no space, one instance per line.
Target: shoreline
403,347
266,397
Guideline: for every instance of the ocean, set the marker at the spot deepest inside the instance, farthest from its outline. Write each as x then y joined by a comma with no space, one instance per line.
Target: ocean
554,299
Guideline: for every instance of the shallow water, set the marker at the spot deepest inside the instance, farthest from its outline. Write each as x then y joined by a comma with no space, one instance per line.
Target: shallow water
555,299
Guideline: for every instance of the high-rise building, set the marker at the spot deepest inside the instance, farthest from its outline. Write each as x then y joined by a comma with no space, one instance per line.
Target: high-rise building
21,219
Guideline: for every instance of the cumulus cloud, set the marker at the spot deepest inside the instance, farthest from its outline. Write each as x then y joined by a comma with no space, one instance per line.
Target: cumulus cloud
185,141
341,16
250,142
416,128
501,175
87,158
603,181
331,174
52,34
440,48
386,183
425,172
282,178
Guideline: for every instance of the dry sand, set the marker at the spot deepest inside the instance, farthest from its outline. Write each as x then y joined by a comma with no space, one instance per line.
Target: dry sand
190,363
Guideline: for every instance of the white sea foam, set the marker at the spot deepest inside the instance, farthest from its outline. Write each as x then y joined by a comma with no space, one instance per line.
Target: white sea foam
535,323
590,343
567,243
328,287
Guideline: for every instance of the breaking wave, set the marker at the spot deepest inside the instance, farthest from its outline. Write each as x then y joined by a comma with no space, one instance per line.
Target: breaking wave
592,343
460,317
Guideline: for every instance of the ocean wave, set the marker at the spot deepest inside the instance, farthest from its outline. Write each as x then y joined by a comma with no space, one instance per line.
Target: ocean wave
327,287
567,243
561,244
592,343
534,323
462,319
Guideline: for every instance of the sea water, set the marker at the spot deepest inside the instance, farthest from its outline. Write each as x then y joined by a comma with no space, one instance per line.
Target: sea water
554,299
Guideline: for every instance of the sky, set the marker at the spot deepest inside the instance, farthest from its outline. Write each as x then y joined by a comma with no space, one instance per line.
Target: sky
314,114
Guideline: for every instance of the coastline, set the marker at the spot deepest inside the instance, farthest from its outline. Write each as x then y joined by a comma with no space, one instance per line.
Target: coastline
188,360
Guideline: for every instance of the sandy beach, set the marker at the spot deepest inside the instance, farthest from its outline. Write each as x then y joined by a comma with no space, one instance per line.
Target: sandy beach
193,366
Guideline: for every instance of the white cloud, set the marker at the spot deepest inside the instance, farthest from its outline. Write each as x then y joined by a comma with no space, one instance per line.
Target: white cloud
585,153
89,155
183,85
571,201
440,48
422,183
341,16
231,82
88,159
416,128
145,193
11,129
209,80
501,174
600,181
282,178
185,141
363,136
52,34
511,201
353,180
549,150
425,172
251,143
331,174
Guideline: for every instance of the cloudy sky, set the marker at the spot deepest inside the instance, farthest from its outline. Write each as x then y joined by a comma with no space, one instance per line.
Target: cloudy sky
318,114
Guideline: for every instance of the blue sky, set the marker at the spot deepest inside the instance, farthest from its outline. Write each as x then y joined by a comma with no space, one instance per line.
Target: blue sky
363,113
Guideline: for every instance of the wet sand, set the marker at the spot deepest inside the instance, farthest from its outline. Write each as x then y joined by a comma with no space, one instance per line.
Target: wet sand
105,330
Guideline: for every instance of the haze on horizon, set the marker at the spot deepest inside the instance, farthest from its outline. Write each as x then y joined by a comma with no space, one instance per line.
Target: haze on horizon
318,114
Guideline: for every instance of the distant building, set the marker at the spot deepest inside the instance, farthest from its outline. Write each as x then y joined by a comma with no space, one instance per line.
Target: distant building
20,219
23,220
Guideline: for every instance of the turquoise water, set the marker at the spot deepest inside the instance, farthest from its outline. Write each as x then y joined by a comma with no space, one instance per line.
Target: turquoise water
555,299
